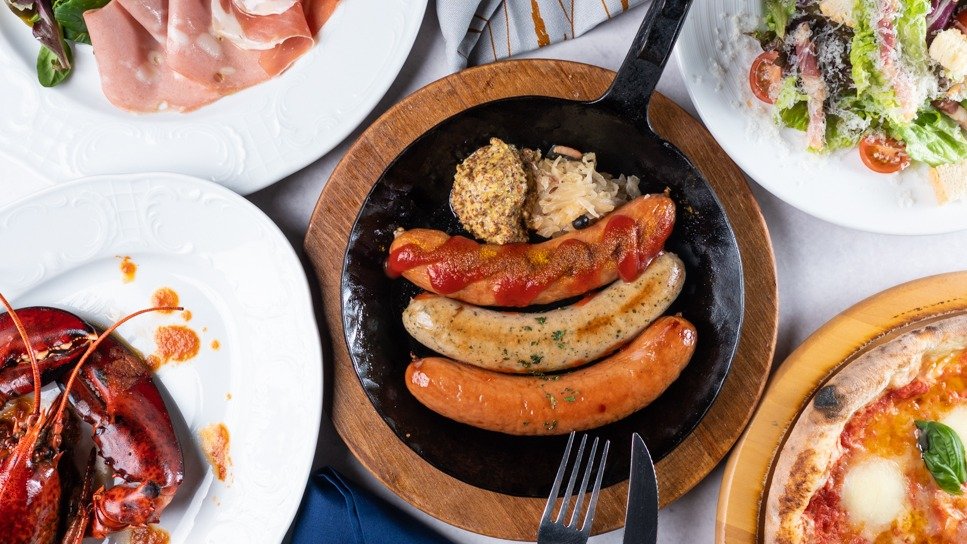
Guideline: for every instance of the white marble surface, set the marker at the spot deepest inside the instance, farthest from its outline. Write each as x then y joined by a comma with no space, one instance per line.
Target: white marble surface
822,268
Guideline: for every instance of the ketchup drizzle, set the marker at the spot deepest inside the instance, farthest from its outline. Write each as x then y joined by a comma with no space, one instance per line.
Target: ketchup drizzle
521,272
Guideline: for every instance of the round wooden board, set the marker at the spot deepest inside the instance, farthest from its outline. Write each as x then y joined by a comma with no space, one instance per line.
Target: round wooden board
842,339
372,441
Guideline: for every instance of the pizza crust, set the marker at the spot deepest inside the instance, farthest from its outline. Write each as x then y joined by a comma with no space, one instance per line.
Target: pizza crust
812,449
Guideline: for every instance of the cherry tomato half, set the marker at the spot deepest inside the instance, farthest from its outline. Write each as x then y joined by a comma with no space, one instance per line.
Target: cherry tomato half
883,155
765,76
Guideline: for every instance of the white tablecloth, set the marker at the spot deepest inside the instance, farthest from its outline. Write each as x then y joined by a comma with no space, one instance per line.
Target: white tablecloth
823,268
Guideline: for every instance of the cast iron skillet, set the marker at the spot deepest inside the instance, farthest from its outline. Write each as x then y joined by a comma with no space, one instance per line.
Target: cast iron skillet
414,192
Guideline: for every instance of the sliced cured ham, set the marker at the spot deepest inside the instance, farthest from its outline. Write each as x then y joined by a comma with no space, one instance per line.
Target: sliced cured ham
813,85
198,53
135,74
318,12
151,14
182,54
249,31
896,73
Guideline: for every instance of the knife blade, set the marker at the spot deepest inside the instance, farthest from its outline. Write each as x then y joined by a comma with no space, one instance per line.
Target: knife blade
641,519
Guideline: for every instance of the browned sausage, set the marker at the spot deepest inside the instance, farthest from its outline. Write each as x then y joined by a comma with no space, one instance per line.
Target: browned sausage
620,244
587,398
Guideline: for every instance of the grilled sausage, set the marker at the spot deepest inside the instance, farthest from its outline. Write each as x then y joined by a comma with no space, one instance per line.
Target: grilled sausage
583,399
547,341
622,243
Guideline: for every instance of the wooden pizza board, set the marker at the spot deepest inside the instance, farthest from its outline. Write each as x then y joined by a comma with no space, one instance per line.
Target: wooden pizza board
848,335
372,441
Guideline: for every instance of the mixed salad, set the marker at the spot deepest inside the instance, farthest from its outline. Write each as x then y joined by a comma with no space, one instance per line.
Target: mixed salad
887,76
55,24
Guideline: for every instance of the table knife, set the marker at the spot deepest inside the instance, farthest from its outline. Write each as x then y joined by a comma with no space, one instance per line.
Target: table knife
641,519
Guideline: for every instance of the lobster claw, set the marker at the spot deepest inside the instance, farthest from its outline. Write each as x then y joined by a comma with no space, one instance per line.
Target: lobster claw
57,337
116,395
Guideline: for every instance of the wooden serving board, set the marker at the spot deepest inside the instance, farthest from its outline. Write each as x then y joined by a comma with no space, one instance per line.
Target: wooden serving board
845,337
372,441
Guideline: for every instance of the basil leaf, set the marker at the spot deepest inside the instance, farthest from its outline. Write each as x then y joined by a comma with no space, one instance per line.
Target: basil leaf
943,454
50,71
70,15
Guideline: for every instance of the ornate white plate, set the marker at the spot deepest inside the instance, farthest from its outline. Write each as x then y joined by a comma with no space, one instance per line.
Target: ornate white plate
715,57
237,274
245,141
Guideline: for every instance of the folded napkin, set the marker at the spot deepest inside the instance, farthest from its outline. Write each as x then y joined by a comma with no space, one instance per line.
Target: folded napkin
335,511
481,31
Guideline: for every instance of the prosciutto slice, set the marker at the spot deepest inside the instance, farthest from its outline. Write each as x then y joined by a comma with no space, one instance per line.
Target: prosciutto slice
183,54
813,85
896,73
133,65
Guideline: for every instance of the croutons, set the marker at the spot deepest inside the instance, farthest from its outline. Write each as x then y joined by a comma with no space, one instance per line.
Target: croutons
949,181
839,11
949,49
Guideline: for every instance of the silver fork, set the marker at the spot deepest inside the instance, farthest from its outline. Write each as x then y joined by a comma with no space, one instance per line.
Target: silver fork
555,531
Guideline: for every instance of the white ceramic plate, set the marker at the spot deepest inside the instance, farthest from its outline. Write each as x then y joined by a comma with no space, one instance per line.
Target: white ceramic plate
715,57
245,141
237,274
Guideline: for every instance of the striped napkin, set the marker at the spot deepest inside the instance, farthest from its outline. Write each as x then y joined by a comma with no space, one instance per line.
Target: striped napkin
482,31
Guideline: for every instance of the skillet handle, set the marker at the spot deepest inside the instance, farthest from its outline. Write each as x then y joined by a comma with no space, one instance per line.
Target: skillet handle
635,81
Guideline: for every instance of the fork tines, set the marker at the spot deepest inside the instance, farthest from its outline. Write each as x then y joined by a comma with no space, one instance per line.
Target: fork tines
558,522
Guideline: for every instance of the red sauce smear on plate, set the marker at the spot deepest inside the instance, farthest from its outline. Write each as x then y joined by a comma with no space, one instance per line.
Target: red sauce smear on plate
215,443
521,272
175,343
128,269
165,296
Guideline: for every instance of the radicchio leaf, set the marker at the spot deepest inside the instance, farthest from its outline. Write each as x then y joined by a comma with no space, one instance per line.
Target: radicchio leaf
940,16
48,32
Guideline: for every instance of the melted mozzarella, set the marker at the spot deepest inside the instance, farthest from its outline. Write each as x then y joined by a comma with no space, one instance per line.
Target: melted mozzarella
956,419
874,494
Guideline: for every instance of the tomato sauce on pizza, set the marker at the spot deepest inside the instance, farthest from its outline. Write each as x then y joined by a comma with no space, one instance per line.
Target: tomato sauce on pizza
881,454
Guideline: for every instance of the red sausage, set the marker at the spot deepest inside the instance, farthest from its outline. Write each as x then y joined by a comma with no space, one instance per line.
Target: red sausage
620,244
593,396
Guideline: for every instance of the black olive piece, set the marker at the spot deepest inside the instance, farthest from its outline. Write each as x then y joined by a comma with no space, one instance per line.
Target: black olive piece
581,222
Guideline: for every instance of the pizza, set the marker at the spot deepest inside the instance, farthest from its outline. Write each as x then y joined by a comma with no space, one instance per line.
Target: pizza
877,455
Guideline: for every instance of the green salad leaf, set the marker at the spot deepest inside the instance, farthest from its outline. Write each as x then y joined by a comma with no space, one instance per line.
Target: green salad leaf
70,15
943,454
932,138
839,135
791,105
911,29
777,14
50,71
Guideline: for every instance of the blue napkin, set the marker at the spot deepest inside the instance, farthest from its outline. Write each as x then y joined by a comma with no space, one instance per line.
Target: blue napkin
335,511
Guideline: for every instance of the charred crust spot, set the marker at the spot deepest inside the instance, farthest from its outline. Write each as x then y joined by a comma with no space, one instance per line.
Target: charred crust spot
828,401
152,490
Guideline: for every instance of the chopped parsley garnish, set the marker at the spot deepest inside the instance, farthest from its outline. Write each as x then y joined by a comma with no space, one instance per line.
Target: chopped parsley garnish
569,394
540,320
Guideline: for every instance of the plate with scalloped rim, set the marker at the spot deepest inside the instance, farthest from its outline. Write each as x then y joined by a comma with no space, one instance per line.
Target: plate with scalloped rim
715,56
245,141
238,275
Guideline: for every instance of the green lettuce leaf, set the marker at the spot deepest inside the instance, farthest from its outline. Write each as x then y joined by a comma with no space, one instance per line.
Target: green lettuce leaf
932,138
839,135
911,28
777,13
790,105
70,15
871,86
